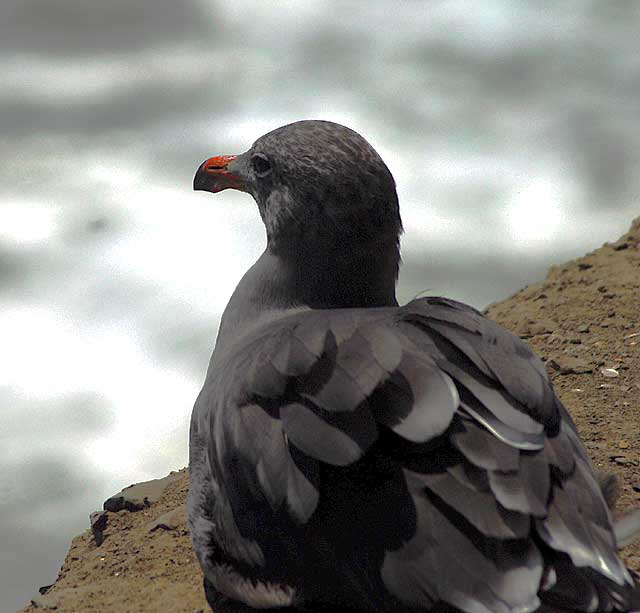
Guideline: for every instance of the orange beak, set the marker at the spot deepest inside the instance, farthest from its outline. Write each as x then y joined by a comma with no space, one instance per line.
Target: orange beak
214,175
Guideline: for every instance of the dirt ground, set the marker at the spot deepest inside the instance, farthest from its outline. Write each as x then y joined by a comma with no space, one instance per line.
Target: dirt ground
583,319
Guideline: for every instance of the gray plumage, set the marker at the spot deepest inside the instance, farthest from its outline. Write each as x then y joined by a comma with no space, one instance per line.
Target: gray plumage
350,453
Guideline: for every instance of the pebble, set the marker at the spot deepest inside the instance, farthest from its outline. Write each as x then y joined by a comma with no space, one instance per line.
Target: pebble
609,372
98,521
140,495
567,365
621,460
53,601
170,521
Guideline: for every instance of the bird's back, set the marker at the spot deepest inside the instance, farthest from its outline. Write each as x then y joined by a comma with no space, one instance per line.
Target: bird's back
395,459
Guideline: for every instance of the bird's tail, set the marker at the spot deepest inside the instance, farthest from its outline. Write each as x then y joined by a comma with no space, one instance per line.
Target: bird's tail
627,528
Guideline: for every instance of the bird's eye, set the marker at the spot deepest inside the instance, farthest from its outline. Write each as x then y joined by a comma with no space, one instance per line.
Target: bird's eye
261,165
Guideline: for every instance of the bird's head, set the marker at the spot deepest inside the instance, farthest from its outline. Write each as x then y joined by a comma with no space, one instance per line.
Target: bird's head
316,183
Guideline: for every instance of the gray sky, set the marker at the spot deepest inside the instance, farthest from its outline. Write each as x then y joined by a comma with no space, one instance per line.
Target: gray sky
511,129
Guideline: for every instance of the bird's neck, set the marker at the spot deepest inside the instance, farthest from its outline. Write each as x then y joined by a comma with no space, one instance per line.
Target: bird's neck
343,279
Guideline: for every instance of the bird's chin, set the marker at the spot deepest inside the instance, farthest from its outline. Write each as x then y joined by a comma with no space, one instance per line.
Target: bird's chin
210,186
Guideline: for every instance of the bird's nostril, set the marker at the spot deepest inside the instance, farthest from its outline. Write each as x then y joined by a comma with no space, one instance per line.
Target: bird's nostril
218,164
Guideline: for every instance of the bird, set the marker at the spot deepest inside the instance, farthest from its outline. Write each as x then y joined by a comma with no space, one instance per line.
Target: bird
348,453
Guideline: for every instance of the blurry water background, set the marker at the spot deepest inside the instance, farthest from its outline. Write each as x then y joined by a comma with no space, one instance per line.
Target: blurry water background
513,131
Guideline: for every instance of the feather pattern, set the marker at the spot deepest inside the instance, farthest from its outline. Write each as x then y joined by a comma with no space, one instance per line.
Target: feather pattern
321,414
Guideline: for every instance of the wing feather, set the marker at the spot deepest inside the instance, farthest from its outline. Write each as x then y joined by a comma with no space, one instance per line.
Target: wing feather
439,405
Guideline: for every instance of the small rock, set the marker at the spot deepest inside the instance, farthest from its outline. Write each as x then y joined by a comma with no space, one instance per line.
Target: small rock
635,488
170,521
527,327
536,328
620,245
609,372
623,445
140,495
620,459
53,601
583,328
566,365
98,521
44,589
42,601
584,265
